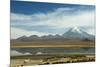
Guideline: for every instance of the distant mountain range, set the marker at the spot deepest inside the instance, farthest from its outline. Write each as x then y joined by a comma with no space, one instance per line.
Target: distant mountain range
72,34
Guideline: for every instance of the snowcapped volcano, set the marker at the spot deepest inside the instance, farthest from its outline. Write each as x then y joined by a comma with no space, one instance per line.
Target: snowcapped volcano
77,33
76,29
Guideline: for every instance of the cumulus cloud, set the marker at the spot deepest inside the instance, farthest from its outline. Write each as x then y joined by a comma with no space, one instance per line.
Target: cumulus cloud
59,19
16,32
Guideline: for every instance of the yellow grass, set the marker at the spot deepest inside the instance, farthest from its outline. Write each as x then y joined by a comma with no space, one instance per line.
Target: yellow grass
51,44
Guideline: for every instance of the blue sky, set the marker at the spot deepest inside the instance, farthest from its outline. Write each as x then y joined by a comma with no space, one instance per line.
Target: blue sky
38,7
30,18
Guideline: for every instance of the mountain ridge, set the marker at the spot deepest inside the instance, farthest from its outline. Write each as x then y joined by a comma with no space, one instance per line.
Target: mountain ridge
72,33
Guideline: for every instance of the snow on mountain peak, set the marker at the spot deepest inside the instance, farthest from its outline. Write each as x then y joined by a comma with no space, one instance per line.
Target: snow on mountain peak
76,29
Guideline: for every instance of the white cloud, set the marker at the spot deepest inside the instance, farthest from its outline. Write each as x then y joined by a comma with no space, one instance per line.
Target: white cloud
20,17
15,33
60,18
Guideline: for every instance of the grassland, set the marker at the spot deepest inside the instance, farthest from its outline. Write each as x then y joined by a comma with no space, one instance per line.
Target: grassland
24,60
51,44
50,59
